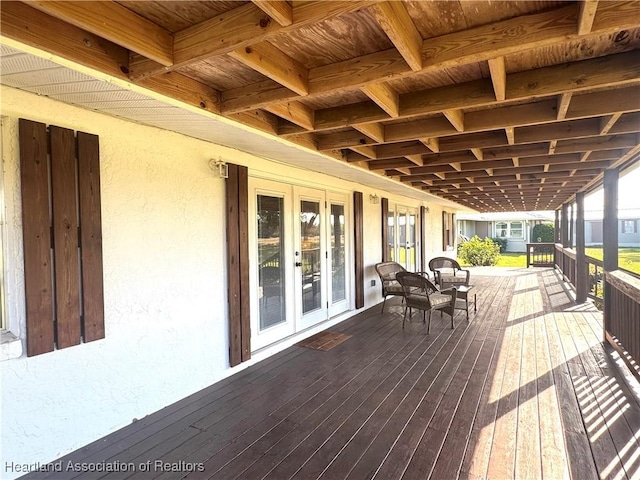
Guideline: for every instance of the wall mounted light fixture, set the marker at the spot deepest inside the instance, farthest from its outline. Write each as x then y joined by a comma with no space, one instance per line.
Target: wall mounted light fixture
375,199
220,167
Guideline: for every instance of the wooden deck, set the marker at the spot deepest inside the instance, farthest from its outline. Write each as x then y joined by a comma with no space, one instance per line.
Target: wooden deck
525,389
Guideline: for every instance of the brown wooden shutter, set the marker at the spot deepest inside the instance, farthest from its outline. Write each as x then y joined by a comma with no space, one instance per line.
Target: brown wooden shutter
445,230
358,223
237,197
384,205
73,280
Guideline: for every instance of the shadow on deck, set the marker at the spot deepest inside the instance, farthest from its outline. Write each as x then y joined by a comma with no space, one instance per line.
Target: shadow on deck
525,389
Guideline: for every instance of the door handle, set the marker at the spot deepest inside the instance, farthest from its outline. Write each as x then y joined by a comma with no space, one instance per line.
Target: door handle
298,264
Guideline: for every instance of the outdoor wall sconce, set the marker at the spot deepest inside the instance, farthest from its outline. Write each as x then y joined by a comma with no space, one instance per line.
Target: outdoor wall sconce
220,167
375,199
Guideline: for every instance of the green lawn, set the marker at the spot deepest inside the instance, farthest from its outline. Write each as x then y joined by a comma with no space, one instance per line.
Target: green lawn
628,258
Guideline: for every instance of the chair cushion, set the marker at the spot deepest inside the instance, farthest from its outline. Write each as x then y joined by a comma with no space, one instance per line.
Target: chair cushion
439,299
454,279
393,286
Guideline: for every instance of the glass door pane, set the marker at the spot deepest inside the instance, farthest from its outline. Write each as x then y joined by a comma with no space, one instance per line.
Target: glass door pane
338,279
411,242
310,255
271,265
402,239
391,235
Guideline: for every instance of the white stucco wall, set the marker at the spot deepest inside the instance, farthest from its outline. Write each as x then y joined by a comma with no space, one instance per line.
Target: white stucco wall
164,283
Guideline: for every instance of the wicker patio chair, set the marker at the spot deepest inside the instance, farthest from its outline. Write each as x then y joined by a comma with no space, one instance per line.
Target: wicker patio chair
390,286
421,294
448,273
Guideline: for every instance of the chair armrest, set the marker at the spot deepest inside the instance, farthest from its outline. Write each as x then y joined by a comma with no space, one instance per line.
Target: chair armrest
449,291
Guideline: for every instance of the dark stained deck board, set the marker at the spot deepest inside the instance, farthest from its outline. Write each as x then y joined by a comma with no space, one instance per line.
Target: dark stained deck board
525,389
233,412
342,381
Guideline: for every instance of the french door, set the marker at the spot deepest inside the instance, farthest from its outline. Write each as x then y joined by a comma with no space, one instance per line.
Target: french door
298,250
402,224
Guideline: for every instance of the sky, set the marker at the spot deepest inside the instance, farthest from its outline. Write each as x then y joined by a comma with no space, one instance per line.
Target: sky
628,197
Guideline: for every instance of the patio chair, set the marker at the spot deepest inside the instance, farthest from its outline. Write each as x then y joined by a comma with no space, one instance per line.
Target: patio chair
421,294
387,272
448,273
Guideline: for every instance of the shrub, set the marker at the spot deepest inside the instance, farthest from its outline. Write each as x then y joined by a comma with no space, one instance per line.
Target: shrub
502,243
479,252
543,231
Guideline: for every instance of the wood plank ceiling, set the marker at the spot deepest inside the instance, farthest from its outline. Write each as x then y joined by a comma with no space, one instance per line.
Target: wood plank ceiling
499,106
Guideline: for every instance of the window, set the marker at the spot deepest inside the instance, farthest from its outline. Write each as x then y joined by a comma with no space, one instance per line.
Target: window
509,229
628,226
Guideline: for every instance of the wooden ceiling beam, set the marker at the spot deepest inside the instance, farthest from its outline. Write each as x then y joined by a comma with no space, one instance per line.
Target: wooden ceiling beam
368,151
258,119
346,139
60,38
498,77
375,131
564,100
608,142
586,16
348,115
115,23
456,117
397,24
295,112
185,89
274,64
587,105
280,10
248,25
468,46
389,164
627,123
385,97
606,123
427,130
619,69
477,152
392,150
618,100
589,127
432,143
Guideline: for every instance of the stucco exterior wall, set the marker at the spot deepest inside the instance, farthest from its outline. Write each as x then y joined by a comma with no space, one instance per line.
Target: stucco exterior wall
164,282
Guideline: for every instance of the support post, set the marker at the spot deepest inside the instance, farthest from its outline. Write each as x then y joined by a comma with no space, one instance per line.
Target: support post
556,228
610,236
582,269
564,227
571,227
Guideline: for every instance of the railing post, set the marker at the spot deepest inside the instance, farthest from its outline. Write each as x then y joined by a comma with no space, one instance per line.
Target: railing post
609,236
582,269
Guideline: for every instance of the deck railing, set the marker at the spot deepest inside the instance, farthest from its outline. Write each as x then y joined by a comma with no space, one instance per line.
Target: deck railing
541,254
565,261
622,316
619,292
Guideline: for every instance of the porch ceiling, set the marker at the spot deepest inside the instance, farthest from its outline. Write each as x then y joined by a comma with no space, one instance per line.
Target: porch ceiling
497,106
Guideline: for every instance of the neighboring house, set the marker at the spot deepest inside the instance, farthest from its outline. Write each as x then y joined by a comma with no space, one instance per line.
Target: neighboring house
628,228
516,227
